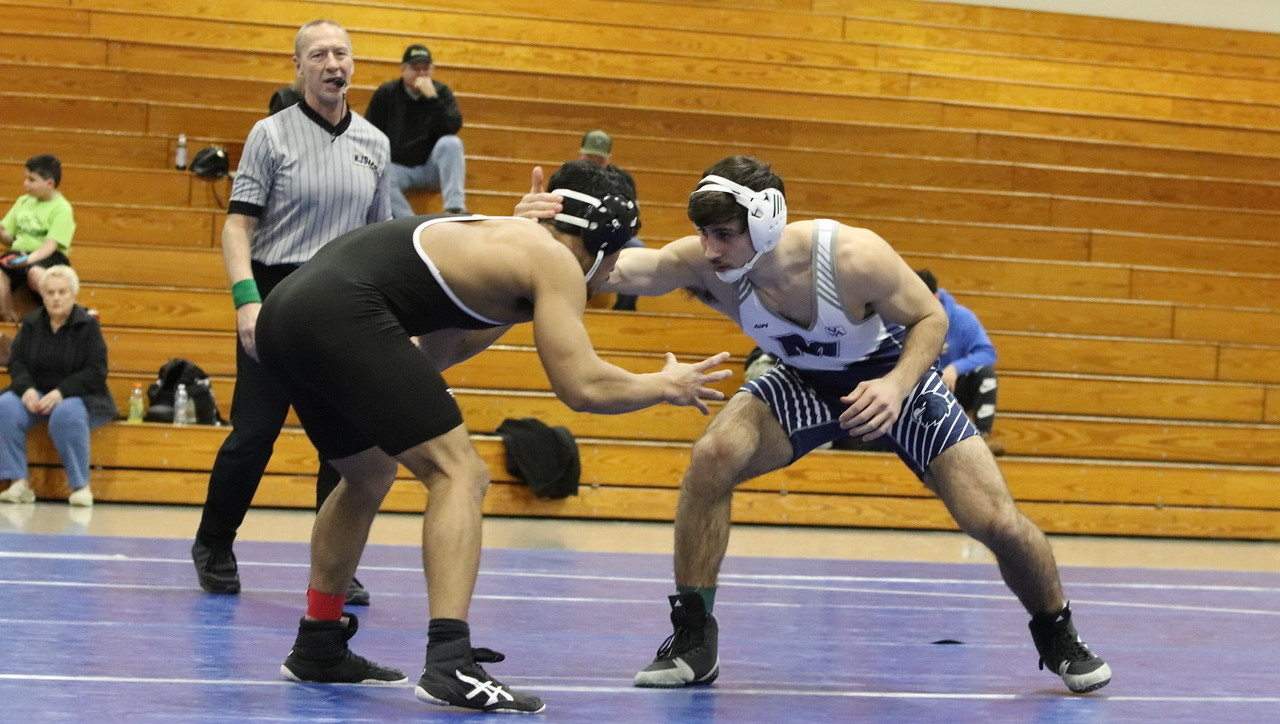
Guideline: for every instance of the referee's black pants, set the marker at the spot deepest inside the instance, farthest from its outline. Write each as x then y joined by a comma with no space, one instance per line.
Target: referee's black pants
258,410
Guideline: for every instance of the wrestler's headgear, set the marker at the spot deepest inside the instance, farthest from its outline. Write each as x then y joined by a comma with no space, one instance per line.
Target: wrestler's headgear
607,224
766,217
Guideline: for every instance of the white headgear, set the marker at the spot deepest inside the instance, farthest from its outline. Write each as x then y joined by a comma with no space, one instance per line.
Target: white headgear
766,217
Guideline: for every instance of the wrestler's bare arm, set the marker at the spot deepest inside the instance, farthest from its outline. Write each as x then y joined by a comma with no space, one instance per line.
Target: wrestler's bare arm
587,383
871,272
653,272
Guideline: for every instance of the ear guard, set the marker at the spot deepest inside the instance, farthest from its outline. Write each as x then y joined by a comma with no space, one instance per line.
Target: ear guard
766,210
607,224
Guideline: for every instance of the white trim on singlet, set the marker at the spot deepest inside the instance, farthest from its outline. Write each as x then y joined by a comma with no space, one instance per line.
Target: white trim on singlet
413,239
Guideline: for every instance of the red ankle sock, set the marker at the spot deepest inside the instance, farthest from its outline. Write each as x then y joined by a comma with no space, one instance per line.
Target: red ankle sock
325,606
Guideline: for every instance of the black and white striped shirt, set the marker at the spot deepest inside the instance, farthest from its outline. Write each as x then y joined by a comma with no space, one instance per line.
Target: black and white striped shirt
307,182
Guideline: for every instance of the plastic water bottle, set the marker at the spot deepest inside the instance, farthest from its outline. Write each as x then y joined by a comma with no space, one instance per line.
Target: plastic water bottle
180,154
180,401
136,404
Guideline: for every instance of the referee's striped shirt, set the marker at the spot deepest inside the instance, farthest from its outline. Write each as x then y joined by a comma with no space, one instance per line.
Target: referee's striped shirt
307,182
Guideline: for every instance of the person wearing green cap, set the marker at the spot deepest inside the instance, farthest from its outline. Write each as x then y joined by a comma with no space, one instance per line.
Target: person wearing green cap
597,147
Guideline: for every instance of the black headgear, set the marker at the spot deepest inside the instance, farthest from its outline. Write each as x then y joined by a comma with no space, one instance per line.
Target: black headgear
607,224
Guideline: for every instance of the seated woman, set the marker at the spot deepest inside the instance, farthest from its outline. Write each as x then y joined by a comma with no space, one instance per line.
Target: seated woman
58,372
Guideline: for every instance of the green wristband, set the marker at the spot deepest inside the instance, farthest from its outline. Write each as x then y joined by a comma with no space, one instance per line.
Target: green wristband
245,292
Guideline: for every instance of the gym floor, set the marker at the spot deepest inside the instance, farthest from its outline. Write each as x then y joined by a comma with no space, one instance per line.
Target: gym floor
103,618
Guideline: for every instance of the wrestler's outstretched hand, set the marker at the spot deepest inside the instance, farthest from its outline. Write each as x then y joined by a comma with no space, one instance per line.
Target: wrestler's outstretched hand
689,381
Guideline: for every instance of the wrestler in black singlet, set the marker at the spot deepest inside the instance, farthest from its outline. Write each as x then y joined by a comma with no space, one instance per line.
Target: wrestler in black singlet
337,334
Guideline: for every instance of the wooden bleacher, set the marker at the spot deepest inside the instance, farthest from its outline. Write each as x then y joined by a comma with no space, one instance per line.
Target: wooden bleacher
1108,207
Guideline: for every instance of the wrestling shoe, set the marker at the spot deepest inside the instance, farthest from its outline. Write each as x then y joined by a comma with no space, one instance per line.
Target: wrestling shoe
1063,653
357,594
453,677
689,655
216,570
320,655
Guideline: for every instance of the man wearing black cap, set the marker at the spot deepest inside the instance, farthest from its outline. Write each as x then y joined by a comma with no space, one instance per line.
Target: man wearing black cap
421,118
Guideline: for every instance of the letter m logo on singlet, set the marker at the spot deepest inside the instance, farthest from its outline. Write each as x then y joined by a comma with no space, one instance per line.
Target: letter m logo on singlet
793,345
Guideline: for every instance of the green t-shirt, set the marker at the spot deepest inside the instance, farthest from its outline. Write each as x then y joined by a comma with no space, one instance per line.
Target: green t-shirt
31,221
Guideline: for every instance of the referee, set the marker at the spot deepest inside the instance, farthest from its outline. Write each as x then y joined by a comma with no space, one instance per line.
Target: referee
309,173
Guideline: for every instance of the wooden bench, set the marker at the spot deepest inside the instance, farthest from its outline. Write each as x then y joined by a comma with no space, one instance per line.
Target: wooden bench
701,336
685,136
201,268
1023,41
666,194
1058,25
507,367
155,463
689,157
927,102
602,39
167,226
187,308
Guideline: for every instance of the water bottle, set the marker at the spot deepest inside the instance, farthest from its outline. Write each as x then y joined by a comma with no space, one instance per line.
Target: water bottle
180,401
136,404
180,154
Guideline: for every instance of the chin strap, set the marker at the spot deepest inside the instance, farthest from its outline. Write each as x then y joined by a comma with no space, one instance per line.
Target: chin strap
594,267
733,275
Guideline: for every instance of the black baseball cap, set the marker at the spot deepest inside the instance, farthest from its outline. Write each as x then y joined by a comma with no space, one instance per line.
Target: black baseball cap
416,54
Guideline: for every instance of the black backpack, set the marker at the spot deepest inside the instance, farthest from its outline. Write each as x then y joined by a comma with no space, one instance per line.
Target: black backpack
160,394
211,162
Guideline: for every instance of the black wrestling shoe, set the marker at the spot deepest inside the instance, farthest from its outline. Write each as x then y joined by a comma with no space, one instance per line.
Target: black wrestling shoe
1063,653
453,677
216,569
357,594
689,655
320,655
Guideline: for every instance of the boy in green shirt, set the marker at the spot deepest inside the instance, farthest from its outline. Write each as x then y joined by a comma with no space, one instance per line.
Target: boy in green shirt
37,231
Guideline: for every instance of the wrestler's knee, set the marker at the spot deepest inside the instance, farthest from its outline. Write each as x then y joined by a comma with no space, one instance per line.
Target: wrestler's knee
1003,526
716,462
477,477
466,475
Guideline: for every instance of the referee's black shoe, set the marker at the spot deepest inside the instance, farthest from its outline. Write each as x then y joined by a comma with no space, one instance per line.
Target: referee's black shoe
1065,654
689,656
216,569
453,677
357,594
320,655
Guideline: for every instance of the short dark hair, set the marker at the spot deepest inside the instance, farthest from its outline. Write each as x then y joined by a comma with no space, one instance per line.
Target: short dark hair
587,178
711,208
929,279
46,166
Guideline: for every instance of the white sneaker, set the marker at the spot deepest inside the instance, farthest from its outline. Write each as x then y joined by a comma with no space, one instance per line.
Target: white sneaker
18,492
82,498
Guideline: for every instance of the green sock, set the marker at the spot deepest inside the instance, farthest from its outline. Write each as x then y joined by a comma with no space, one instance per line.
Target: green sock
708,594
